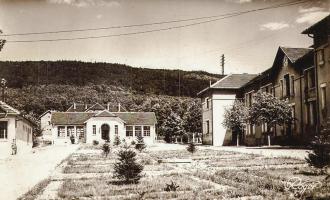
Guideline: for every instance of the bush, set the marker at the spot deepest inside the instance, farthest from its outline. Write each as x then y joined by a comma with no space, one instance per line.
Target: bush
140,145
320,156
133,142
192,148
95,142
106,149
171,187
127,169
117,141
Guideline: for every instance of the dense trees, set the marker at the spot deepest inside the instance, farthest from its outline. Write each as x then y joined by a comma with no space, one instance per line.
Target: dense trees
138,80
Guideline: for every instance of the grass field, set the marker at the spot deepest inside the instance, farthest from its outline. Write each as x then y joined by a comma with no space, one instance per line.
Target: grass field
206,174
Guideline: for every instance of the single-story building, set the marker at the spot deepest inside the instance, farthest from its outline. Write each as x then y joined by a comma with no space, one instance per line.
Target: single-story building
14,128
97,123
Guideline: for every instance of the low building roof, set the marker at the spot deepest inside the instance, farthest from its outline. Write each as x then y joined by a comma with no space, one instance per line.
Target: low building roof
231,81
79,118
71,118
7,109
137,118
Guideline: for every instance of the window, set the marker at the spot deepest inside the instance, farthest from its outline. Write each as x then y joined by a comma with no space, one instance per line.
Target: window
207,103
70,131
61,131
292,86
281,86
138,131
320,57
146,130
310,78
323,96
94,129
3,130
287,85
129,131
207,127
116,129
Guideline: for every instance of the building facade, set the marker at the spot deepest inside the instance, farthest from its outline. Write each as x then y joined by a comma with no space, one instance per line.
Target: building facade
320,32
14,128
90,123
298,75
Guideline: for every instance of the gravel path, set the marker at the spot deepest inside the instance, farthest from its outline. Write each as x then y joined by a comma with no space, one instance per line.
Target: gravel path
20,173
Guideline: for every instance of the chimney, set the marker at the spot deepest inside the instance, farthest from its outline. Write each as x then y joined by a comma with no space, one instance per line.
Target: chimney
74,105
108,106
119,107
210,83
85,106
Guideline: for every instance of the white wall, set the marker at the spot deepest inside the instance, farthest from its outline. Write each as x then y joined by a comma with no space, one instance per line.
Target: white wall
45,126
220,102
99,121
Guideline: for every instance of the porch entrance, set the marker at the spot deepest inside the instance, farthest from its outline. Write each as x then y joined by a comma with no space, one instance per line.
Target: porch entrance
105,131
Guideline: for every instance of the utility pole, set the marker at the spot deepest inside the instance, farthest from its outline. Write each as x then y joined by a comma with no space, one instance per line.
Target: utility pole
3,84
179,84
223,64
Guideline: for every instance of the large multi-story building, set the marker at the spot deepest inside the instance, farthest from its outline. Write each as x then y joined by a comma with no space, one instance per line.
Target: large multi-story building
293,77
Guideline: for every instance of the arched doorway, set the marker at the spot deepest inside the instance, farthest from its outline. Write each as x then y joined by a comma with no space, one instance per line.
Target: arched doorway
105,131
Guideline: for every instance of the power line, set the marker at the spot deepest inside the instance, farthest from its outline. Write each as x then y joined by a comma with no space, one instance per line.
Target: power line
158,30
139,25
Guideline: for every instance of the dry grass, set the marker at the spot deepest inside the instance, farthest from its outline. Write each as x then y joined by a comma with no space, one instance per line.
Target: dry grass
36,190
206,177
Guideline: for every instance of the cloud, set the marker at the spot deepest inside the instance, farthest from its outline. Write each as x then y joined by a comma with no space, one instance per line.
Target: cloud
274,26
99,16
311,15
239,1
85,3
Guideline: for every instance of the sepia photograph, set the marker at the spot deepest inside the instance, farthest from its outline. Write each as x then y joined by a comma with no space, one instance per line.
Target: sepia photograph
165,99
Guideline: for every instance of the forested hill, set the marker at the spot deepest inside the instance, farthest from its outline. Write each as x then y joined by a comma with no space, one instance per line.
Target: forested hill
139,80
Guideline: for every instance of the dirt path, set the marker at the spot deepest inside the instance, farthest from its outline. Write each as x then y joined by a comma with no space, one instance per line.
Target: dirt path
21,173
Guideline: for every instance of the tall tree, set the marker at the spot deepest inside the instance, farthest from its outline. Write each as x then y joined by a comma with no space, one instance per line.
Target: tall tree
192,119
172,127
235,119
267,109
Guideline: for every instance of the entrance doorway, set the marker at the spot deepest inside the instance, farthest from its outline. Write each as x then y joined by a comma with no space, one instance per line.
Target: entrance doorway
3,130
105,130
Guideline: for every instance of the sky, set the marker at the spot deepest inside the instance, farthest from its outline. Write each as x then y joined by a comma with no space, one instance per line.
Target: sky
249,41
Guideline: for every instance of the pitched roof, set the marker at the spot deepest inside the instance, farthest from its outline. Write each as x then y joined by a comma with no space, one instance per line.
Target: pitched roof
105,113
295,54
137,118
80,107
5,108
79,118
233,81
96,106
323,22
71,118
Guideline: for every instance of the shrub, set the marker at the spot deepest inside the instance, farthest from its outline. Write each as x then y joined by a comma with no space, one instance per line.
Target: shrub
140,145
106,149
171,187
117,141
320,156
192,148
133,142
95,142
127,169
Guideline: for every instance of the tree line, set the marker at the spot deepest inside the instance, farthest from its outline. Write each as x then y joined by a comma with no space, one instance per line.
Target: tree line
140,80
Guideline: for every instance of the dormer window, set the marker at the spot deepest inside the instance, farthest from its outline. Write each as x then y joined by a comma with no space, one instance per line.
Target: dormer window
320,57
285,61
